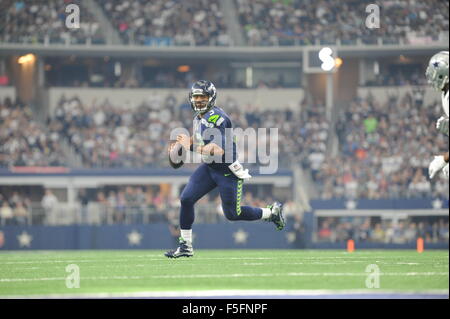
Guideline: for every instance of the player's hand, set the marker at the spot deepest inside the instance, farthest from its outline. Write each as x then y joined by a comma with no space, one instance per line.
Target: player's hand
442,125
436,165
184,140
171,146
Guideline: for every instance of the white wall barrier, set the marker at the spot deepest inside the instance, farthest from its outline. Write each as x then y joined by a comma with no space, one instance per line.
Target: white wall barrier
7,91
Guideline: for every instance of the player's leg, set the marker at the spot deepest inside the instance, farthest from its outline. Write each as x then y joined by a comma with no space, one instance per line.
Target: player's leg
230,188
200,183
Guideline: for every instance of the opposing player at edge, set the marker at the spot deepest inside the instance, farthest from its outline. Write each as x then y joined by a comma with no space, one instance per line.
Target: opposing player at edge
227,176
437,76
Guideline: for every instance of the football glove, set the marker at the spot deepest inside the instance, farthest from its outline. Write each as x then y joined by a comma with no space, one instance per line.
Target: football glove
436,165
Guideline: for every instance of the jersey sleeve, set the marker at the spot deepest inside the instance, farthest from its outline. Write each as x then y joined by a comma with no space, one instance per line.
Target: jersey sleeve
224,126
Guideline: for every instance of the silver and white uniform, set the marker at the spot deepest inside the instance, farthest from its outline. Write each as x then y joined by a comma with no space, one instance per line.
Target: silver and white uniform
445,107
445,102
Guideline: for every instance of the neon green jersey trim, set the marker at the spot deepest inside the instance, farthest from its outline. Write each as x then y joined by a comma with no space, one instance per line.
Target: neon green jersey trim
239,196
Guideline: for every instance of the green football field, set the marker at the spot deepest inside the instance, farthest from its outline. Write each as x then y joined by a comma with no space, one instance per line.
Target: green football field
147,273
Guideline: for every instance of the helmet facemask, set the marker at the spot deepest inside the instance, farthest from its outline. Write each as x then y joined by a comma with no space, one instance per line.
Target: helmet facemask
202,106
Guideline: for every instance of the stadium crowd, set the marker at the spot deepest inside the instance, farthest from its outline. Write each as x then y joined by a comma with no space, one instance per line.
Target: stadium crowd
263,22
108,136
385,151
36,21
14,209
25,142
168,22
395,77
360,229
288,22
144,204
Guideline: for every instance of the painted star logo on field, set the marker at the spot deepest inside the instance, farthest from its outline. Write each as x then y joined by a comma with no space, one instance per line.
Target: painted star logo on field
437,203
291,237
24,239
351,204
240,237
134,238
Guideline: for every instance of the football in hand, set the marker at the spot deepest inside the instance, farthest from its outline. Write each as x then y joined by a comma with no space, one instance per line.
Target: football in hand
177,155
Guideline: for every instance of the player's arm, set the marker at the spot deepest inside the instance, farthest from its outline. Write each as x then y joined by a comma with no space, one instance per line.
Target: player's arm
442,125
210,149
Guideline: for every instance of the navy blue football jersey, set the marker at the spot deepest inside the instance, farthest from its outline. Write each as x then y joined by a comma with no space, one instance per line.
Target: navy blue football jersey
216,127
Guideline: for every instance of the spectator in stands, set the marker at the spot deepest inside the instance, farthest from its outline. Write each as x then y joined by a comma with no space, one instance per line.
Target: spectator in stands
111,204
50,204
83,199
378,234
21,214
6,214
101,214
325,233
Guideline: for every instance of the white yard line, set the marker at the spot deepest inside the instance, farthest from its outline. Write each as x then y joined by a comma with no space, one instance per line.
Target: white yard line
162,258
236,275
199,258
235,293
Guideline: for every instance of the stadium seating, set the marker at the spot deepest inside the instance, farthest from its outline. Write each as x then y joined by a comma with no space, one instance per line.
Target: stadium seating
289,22
24,141
165,23
385,151
35,21
202,23
374,162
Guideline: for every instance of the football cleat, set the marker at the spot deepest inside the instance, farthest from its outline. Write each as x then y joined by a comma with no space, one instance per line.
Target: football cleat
184,250
277,215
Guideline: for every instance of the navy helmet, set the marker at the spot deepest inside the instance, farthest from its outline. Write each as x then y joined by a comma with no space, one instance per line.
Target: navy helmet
203,87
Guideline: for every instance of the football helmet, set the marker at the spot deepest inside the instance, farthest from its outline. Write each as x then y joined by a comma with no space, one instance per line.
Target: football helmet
206,88
437,70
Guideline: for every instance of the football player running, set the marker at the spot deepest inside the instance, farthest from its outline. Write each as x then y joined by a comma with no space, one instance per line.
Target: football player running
226,173
437,76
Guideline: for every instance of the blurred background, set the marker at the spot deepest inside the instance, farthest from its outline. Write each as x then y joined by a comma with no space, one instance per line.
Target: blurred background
90,91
